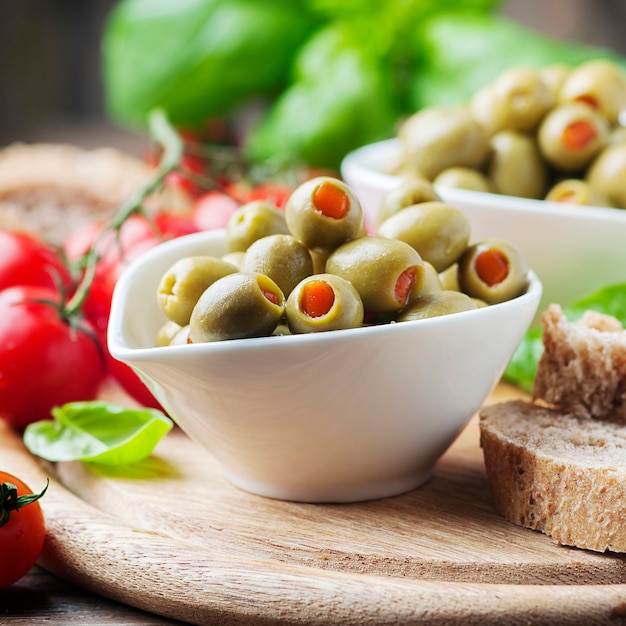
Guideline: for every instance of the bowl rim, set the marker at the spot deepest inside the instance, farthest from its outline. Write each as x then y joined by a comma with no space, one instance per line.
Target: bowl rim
360,164
120,349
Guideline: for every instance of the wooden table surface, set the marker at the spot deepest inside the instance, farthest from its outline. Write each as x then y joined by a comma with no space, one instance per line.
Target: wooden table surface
570,588
41,598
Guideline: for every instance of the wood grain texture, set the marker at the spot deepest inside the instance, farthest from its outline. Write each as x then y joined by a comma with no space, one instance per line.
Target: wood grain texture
41,599
175,538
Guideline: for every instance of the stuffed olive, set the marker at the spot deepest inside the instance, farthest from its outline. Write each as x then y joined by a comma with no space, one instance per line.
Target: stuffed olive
463,178
181,338
167,332
437,231
435,139
237,306
323,302
493,271
436,304
324,212
600,84
281,257
410,192
516,100
432,281
576,191
607,174
571,135
387,273
182,285
515,166
252,221
553,76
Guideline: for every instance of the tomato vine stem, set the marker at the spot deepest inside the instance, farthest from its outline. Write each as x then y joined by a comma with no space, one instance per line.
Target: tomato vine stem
164,134
10,501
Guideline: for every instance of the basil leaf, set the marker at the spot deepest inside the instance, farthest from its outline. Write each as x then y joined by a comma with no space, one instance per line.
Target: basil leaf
460,53
97,432
197,59
522,368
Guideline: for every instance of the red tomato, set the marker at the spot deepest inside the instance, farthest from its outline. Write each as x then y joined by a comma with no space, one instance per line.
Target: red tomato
44,360
130,382
190,164
22,536
276,193
213,210
171,225
26,260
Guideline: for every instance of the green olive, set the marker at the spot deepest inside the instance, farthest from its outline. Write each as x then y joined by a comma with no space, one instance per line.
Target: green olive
449,278
607,175
387,273
576,191
571,135
493,271
323,302
463,178
599,83
184,282
437,231
237,306
515,166
436,304
252,221
553,76
167,332
431,282
281,257
408,193
324,212
516,100
234,258
181,338
435,139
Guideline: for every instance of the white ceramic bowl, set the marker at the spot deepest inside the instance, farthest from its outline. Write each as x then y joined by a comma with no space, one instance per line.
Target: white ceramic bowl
327,417
573,249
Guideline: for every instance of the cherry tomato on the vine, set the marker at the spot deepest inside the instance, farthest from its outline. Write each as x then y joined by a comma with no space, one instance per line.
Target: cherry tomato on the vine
191,166
26,260
213,210
22,528
45,359
274,192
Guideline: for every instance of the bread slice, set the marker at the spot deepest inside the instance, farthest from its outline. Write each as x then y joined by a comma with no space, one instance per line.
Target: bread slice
49,189
557,473
583,366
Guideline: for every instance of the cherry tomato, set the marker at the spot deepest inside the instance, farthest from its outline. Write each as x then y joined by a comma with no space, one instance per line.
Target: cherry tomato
274,192
190,165
130,382
213,210
45,360
26,260
22,529
171,225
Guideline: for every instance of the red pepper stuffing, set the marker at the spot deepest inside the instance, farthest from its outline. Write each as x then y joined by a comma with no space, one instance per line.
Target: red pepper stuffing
330,200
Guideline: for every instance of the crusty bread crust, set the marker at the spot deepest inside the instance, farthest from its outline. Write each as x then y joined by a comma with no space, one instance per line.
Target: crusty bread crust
558,473
48,189
583,366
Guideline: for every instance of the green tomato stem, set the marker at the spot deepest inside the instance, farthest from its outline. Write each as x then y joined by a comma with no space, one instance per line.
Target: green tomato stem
165,134
10,501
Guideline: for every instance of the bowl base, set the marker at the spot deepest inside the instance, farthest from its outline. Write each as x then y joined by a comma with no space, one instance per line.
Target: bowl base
332,494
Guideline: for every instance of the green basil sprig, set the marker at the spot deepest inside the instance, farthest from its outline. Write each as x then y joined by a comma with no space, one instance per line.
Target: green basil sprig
97,432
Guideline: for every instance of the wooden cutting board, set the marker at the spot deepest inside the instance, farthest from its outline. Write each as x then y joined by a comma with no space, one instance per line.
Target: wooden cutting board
173,537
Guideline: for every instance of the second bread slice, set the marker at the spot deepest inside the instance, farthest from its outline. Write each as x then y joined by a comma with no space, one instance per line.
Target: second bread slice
557,473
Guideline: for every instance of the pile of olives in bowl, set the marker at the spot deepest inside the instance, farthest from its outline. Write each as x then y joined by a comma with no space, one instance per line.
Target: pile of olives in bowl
313,267
555,133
